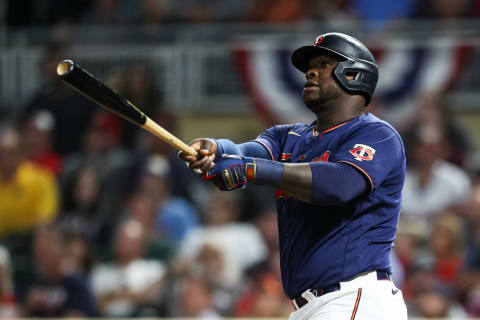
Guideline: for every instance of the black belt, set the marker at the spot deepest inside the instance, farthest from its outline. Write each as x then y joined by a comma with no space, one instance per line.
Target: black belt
301,301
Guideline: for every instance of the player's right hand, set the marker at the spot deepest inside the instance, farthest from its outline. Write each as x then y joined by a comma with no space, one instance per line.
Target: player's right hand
203,162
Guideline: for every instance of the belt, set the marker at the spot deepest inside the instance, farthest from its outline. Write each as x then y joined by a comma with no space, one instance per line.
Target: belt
300,301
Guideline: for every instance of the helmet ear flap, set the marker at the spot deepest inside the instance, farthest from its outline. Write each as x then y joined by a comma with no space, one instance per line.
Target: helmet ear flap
366,77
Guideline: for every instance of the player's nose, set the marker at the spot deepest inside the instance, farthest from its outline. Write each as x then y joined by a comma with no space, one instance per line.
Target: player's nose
311,73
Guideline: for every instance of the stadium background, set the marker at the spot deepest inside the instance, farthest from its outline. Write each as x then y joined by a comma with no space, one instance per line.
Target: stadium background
100,219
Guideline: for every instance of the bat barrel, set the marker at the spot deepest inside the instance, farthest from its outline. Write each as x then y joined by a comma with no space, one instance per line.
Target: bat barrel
97,91
94,89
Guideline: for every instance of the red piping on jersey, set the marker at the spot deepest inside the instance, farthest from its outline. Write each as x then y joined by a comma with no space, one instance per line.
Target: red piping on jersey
363,171
335,127
315,132
357,302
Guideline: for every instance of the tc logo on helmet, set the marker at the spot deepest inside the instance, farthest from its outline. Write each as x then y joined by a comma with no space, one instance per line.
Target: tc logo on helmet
362,152
318,40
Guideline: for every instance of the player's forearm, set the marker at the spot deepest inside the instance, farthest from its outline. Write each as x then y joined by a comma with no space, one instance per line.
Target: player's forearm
247,149
292,178
320,183
297,181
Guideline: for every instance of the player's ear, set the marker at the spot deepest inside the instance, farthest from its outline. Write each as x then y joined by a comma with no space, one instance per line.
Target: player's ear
351,75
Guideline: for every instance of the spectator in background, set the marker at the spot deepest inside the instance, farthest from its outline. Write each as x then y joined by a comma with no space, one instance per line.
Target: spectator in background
175,216
446,245
204,11
87,218
55,292
79,258
471,215
196,299
276,11
28,198
240,245
138,85
108,12
155,12
143,209
435,304
131,285
208,267
28,193
446,10
38,141
266,222
182,182
432,279
433,111
432,185
102,153
263,295
473,302
430,298
409,248
380,15
8,304
336,11
71,111
154,15
468,282
221,251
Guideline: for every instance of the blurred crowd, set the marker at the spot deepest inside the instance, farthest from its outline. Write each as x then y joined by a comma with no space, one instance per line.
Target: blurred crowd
99,218
111,12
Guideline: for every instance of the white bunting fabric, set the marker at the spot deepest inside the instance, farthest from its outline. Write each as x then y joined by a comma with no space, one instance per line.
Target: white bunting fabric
406,69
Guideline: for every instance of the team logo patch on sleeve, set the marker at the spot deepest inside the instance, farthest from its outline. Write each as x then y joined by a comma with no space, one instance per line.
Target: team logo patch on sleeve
362,152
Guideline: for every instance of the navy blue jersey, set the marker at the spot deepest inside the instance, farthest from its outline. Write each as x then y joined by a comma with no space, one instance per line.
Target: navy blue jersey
321,245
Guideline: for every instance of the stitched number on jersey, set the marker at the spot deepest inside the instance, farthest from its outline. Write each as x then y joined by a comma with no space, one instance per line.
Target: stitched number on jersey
323,158
362,152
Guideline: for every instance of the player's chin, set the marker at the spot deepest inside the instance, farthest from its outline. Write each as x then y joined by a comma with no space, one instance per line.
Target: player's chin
312,102
310,97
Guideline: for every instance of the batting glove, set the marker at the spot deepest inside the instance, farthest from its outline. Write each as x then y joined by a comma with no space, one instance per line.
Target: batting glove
231,172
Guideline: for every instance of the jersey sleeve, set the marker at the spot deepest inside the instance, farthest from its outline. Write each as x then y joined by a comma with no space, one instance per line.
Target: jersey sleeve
374,149
272,139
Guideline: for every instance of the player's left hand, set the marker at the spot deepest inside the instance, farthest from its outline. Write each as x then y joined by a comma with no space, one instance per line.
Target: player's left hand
206,151
229,172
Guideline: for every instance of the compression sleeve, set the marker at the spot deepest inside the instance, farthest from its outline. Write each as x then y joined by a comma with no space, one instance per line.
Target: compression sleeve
336,183
248,149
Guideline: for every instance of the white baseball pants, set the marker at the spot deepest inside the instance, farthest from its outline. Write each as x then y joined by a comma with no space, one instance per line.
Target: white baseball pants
362,298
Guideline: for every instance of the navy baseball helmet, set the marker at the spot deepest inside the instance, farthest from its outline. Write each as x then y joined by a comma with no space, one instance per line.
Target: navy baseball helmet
356,60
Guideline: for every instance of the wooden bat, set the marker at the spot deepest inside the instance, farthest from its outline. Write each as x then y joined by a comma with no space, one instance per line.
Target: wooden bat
98,92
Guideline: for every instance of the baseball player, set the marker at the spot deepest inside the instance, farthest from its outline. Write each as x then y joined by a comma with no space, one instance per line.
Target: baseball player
339,182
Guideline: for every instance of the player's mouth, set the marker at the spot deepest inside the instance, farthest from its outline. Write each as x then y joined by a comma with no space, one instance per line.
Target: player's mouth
310,85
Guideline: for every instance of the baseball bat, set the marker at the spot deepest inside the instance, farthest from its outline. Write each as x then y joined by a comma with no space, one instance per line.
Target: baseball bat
94,89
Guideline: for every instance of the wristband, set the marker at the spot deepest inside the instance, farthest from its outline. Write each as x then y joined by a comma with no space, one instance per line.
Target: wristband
261,171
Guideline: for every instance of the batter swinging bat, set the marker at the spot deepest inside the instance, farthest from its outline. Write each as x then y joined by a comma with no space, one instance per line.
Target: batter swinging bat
97,91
